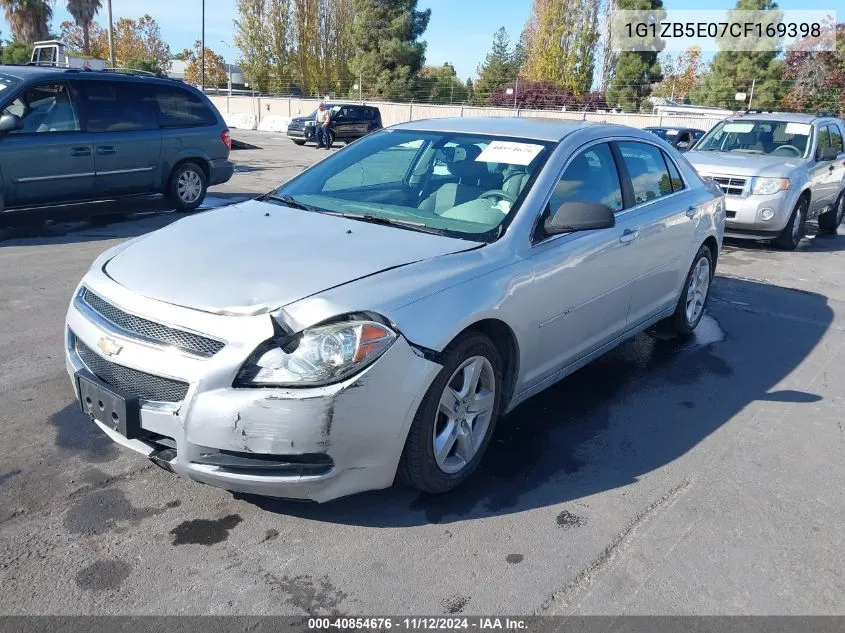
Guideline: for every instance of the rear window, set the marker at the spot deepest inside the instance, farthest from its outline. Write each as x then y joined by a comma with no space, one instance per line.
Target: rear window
180,108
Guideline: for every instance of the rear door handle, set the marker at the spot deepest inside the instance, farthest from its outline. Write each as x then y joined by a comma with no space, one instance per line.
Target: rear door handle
628,236
104,150
80,151
691,211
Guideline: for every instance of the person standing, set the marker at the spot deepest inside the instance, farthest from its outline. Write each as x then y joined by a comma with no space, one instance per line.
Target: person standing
324,119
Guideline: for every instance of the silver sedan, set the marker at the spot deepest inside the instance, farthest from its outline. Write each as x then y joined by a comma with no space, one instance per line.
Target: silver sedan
377,314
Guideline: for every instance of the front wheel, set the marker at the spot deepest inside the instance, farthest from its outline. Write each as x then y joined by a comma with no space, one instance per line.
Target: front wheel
188,186
299,142
794,230
830,221
455,420
694,295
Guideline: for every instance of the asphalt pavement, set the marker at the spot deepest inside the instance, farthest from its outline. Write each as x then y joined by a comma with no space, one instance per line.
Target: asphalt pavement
670,477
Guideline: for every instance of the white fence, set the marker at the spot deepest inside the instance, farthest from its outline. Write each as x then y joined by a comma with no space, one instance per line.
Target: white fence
253,110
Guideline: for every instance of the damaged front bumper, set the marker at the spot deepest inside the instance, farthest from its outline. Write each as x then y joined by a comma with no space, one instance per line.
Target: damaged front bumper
305,443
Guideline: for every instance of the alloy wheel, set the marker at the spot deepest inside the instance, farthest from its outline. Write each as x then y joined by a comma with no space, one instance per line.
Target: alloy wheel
697,290
464,413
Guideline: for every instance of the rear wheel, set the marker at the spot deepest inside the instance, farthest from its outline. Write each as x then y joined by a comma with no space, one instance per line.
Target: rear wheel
694,296
831,220
299,142
792,233
188,186
456,419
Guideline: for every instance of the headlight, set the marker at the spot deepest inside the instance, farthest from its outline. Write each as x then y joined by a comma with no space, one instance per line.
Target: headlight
768,186
317,356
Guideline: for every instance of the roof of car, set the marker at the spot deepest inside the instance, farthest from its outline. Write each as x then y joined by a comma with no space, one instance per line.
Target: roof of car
25,73
520,127
788,117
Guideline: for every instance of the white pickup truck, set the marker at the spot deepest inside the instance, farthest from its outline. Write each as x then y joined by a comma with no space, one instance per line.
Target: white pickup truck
52,53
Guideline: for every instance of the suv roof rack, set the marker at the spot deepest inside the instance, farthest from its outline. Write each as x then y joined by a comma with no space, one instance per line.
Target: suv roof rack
830,113
747,111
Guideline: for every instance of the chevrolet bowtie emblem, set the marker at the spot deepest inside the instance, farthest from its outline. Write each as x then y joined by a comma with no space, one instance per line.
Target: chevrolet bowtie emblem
109,346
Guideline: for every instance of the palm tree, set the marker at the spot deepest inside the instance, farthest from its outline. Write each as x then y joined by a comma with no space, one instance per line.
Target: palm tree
28,19
83,12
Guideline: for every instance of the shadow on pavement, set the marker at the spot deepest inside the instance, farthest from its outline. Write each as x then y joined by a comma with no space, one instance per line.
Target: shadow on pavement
815,242
635,410
101,221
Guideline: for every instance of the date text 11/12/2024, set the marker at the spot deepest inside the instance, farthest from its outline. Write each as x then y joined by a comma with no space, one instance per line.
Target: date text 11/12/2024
418,623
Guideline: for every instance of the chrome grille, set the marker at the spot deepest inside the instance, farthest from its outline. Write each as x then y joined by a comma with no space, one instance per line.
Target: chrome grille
150,330
730,186
138,383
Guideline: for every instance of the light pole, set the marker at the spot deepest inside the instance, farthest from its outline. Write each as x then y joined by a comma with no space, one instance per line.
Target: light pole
111,37
202,54
229,67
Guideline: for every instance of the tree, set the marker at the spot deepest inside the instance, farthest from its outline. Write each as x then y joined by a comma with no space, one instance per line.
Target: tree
563,39
630,85
520,52
736,71
72,36
28,19
537,95
498,67
681,75
440,84
388,54
818,76
252,37
17,54
279,46
141,39
607,67
84,12
215,68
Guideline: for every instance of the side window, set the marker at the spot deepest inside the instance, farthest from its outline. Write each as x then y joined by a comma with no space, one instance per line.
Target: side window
647,170
824,137
113,106
590,177
43,109
674,174
836,138
178,107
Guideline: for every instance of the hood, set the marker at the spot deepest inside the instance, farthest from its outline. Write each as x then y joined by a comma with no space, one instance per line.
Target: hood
738,164
257,256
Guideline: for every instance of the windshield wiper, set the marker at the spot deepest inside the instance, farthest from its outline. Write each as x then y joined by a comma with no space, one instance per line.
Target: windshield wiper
408,224
292,202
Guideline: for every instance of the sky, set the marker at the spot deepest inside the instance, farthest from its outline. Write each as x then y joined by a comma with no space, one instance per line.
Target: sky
460,31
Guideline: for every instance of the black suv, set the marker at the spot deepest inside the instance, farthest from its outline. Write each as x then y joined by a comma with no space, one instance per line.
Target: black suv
348,122
69,136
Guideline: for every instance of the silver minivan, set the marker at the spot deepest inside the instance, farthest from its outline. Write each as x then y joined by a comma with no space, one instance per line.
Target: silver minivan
379,312
69,136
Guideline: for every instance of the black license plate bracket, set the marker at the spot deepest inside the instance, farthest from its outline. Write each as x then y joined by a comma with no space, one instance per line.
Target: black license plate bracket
109,405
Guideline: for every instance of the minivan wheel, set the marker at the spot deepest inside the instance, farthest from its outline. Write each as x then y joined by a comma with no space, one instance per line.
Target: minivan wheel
694,295
456,419
188,186
794,230
299,142
831,220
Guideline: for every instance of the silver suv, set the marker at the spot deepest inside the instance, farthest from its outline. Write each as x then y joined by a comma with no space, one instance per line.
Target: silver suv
777,171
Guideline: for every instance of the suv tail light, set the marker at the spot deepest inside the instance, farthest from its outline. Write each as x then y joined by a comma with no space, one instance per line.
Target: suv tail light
227,139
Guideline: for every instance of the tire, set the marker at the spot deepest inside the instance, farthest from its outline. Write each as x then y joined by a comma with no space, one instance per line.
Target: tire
188,186
420,467
830,221
684,320
299,143
794,230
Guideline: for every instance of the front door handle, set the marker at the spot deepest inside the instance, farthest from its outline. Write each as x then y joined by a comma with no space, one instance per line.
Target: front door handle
830,168
628,236
105,150
691,211
80,151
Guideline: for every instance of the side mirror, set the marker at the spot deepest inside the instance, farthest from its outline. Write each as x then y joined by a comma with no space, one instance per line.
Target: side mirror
9,123
579,216
827,153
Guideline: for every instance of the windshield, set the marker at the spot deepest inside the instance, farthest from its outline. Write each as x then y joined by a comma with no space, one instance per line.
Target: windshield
455,184
774,138
660,132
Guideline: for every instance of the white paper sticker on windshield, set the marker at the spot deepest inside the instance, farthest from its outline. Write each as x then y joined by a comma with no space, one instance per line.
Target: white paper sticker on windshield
738,127
797,128
509,152
671,132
